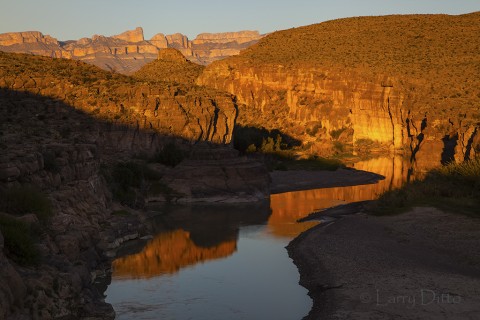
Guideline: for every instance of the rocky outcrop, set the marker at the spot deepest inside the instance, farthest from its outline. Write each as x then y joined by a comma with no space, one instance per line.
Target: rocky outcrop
64,123
128,51
209,47
9,39
33,42
159,40
13,290
333,93
213,174
227,37
131,35
192,113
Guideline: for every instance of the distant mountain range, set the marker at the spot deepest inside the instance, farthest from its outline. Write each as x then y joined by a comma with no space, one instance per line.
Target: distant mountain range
129,51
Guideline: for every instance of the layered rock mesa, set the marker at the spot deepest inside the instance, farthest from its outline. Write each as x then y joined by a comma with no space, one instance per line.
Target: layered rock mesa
129,51
409,82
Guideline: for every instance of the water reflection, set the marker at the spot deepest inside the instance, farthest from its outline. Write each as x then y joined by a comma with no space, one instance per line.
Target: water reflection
209,262
229,262
167,253
288,207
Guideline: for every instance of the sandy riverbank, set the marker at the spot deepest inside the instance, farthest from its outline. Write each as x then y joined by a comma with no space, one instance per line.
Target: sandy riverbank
295,180
424,264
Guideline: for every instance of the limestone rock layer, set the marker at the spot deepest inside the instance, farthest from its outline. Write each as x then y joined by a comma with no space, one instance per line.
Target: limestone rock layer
129,51
406,83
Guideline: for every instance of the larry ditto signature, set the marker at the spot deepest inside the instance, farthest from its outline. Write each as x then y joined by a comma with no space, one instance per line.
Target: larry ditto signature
423,297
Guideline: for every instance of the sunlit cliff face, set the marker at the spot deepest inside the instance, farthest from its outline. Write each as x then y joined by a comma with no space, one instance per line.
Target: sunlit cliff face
167,253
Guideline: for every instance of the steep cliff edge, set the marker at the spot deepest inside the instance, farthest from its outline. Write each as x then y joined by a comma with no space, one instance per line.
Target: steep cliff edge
129,51
405,82
191,113
64,124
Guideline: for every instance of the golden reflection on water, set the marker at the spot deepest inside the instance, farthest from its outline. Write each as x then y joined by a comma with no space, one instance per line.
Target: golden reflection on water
168,252
288,207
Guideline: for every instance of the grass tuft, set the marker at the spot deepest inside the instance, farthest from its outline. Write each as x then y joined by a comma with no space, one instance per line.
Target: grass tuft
26,199
19,240
453,187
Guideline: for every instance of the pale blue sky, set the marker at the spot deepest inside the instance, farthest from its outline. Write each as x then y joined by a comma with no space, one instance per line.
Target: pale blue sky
74,19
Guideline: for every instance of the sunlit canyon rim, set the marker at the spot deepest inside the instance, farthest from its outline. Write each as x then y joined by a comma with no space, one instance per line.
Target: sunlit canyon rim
129,51
84,151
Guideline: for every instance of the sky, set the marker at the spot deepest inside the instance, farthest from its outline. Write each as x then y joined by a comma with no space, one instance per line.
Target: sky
74,19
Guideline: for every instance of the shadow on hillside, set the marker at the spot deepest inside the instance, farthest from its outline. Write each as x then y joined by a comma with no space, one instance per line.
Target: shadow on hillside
245,138
32,121
38,124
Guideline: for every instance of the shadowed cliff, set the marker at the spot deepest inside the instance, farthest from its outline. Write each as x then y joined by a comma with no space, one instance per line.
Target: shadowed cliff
407,83
66,128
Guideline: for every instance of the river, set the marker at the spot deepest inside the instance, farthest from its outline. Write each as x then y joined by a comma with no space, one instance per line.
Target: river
230,262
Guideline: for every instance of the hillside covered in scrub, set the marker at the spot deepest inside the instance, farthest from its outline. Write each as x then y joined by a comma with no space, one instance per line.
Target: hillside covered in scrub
409,83
171,66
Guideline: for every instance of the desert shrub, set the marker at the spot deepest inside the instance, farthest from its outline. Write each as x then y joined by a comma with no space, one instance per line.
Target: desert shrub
312,131
338,146
126,178
26,199
335,134
123,213
364,142
170,155
251,139
19,240
455,187
50,162
157,188
285,160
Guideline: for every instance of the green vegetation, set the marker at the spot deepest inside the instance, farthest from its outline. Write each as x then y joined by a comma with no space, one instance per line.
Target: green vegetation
252,139
170,155
336,133
26,199
130,181
453,187
285,160
123,213
49,162
170,71
159,188
278,150
126,179
20,239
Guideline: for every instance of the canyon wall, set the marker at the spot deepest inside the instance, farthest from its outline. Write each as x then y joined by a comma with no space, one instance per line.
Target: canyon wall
194,114
129,51
64,124
319,86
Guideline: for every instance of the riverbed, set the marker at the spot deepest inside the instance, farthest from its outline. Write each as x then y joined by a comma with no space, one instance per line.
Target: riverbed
230,262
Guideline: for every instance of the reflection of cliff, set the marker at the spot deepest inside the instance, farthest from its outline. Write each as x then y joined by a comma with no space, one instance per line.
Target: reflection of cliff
168,253
288,207
200,233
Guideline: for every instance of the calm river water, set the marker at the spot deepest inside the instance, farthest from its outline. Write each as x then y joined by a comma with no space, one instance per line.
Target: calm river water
230,262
